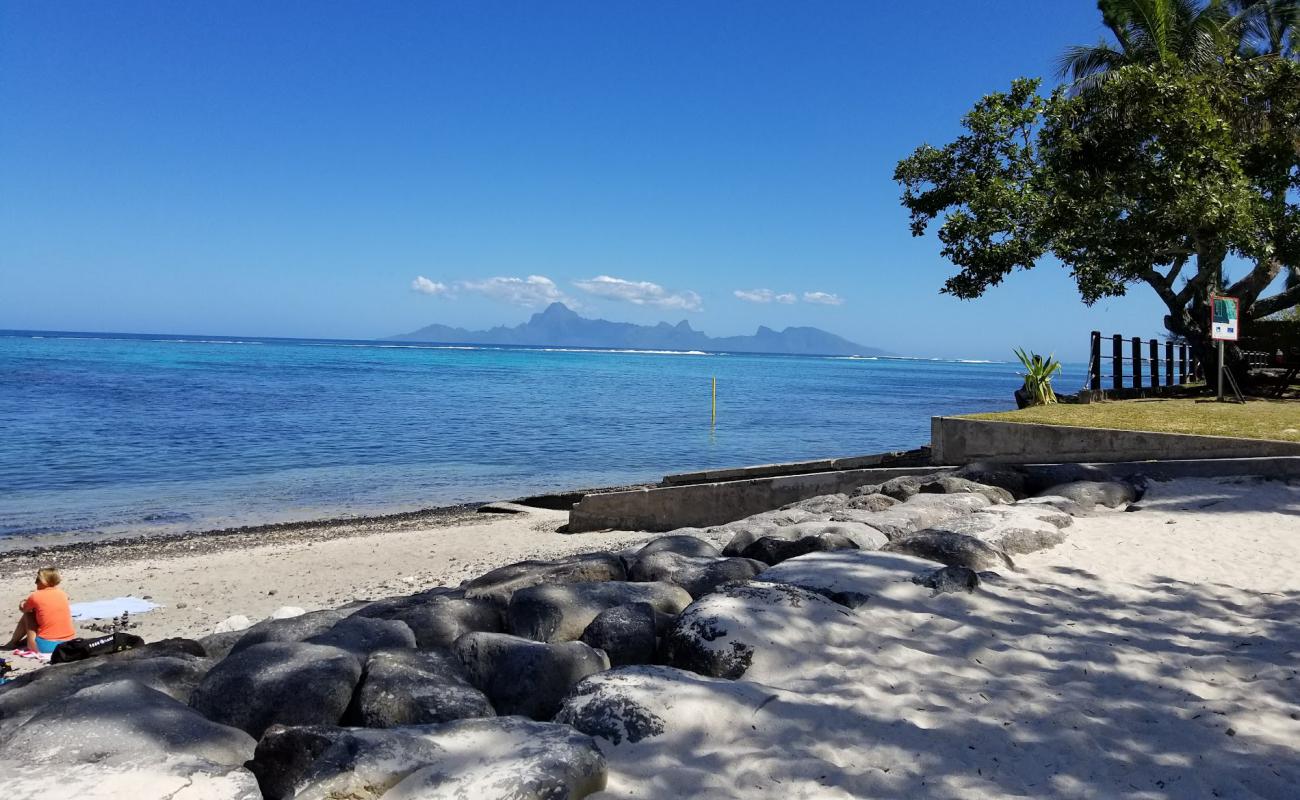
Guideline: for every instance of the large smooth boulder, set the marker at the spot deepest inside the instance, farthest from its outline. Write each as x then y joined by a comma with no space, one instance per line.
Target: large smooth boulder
1013,529
560,612
1090,494
24,696
504,758
774,550
855,578
862,533
698,575
410,687
759,627
362,636
289,629
919,512
820,504
874,501
524,677
627,634
500,584
1004,476
951,549
902,487
438,620
951,484
124,739
290,683
634,704
681,544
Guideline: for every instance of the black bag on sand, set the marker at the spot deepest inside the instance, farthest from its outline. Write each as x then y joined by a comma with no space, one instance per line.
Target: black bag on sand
78,649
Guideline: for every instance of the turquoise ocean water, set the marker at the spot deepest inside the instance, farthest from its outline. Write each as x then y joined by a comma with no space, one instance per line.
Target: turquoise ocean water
113,434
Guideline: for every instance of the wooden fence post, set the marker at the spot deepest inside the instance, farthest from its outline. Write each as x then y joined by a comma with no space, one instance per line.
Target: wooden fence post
1169,363
1094,361
1137,363
1117,361
1154,347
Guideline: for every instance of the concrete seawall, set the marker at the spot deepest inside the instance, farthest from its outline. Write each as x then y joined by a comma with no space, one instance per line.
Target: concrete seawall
960,440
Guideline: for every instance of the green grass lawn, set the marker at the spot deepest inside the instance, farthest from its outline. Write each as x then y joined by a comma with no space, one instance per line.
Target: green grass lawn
1257,419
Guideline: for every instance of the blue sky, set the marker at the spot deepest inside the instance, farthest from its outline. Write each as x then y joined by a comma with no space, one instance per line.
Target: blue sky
290,169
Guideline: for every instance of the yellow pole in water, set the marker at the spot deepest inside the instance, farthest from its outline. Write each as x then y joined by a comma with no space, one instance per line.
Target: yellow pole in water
713,419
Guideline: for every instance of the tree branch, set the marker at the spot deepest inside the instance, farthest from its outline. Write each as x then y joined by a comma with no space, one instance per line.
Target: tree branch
1164,287
1256,281
1279,302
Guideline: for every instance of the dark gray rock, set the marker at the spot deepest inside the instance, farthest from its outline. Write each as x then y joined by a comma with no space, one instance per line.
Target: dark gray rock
870,502
1090,494
636,704
219,645
524,677
439,620
918,513
1060,504
410,687
26,695
503,758
498,585
173,647
627,634
773,550
698,575
560,612
1004,476
950,484
291,629
123,739
722,634
1013,529
847,523
820,504
291,683
681,544
949,579
362,636
952,549
902,487
865,490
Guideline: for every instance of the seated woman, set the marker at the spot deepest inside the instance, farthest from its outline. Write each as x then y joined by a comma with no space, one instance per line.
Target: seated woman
46,617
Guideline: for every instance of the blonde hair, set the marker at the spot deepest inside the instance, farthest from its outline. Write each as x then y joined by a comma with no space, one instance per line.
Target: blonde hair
49,576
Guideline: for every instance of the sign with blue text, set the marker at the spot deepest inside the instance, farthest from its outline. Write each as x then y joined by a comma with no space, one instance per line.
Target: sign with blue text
1225,324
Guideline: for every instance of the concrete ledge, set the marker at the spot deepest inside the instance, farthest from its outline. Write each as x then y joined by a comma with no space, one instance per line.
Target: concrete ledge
667,508
960,440
1277,467
913,458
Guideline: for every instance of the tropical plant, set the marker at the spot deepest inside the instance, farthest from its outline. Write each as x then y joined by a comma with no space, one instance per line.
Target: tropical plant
1154,32
1038,376
1164,174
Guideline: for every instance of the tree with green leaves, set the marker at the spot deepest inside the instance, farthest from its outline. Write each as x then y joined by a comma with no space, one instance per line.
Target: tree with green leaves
1156,175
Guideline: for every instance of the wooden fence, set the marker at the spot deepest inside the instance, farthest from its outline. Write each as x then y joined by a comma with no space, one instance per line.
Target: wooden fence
1144,363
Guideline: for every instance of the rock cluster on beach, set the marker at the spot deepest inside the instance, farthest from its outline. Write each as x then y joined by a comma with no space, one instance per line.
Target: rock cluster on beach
517,683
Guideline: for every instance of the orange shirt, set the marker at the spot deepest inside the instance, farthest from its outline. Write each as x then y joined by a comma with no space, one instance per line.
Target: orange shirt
53,614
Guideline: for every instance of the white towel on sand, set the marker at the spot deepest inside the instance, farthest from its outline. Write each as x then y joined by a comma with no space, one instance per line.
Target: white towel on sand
107,609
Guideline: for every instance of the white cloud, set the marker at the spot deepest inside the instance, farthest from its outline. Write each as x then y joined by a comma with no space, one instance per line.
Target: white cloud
765,296
823,298
423,285
641,293
535,290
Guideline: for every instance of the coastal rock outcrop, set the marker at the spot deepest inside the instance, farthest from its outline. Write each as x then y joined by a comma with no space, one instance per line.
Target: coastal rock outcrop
872,501
438,619
860,532
521,676
485,759
291,683
1004,476
855,578
498,585
820,504
26,695
758,627
560,612
952,549
633,704
124,739
628,634
681,544
952,484
1013,529
362,636
773,549
289,629
698,575
410,687
1090,494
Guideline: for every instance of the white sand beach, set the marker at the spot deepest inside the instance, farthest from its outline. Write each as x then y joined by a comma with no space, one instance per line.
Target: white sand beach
1152,655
